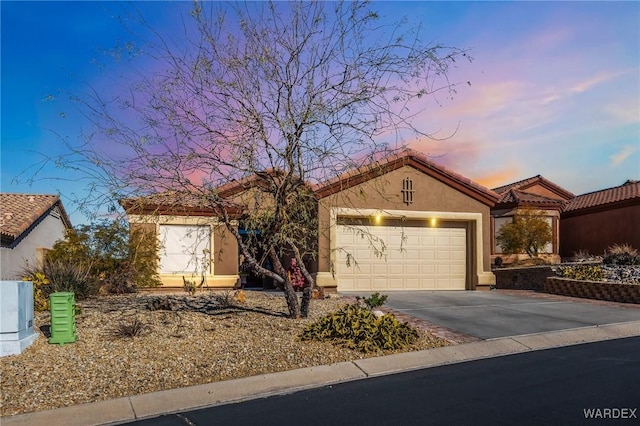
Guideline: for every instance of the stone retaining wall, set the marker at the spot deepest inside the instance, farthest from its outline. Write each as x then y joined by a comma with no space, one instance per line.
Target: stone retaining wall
525,278
613,292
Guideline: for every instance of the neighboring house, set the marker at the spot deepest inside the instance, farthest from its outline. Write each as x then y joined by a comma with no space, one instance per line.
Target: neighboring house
595,221
435,224
29,225
533,193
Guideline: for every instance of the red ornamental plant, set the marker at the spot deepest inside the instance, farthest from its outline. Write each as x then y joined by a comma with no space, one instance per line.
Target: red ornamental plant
295,275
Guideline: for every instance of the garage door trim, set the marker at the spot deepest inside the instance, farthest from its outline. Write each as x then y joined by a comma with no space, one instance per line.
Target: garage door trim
475,251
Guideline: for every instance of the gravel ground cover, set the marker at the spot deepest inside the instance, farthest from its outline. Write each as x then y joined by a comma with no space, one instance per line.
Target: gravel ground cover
190,340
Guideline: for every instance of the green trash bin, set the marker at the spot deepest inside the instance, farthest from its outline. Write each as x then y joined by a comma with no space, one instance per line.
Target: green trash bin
63,317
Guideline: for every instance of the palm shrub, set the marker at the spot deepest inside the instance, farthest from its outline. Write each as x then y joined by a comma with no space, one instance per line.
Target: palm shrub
357,327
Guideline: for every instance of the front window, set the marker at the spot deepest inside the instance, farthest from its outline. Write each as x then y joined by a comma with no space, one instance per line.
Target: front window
185,249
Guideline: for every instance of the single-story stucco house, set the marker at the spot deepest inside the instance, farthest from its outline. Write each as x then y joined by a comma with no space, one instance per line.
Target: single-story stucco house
29,225
435,225
534,193
588,223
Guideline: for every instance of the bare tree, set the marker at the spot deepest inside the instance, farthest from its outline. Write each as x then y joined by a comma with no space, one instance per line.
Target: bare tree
275,96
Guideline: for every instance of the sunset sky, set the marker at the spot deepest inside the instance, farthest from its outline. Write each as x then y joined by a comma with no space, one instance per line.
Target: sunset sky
554,87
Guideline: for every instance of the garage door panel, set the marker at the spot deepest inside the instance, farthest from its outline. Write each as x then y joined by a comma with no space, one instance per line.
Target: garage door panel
395,240
415,258
379,269
412,254
427,254
428,283
458,241
362,268
396,268
458,255
395,255
412,268
443,255
364,254
380,283
396,283
345,239
428,269
443,241
427,240
443,269
363,284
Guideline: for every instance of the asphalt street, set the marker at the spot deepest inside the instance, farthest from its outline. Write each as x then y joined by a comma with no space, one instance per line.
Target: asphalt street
561,386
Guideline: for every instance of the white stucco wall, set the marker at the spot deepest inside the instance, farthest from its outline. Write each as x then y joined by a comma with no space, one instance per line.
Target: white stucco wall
44,235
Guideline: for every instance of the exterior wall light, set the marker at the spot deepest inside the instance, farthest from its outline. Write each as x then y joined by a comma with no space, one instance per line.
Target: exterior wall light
434,222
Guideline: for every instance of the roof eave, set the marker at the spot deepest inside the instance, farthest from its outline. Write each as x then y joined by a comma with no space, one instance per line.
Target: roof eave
486,197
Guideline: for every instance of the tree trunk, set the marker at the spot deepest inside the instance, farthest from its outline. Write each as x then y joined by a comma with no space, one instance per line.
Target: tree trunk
289,292
307,292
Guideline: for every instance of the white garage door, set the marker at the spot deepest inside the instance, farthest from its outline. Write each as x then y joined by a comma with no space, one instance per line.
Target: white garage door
415,258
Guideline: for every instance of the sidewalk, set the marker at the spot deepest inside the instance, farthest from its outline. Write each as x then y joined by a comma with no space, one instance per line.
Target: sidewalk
137,407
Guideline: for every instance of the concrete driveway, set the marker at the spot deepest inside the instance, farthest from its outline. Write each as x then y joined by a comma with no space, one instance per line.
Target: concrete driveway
494,314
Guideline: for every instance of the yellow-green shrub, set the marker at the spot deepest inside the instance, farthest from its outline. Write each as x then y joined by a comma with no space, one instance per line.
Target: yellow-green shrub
583,272
40,291
357,327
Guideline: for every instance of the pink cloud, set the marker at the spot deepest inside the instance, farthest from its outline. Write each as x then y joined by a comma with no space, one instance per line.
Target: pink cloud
501,176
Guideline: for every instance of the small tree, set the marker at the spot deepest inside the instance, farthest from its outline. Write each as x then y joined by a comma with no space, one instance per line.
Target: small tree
114,257
528,233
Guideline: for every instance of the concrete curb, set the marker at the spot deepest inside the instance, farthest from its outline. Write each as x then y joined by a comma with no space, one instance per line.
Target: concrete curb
121,410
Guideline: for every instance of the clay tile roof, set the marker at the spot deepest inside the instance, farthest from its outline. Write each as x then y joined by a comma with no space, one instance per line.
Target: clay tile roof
406,157
517,196
627,191
18,212
522,185
515,185
173,202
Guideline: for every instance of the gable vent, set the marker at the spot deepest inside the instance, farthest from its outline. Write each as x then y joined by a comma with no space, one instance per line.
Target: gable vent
407,191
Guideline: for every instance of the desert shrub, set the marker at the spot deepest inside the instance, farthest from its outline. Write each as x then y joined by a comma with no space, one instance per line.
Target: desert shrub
621,254
229,298
52,276
376,300
356,327
583,256
118,261
191,286
581,272
40,289
66,276
142,260
129,329
121,281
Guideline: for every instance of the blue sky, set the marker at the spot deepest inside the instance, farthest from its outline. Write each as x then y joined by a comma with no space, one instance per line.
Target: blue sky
555,87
